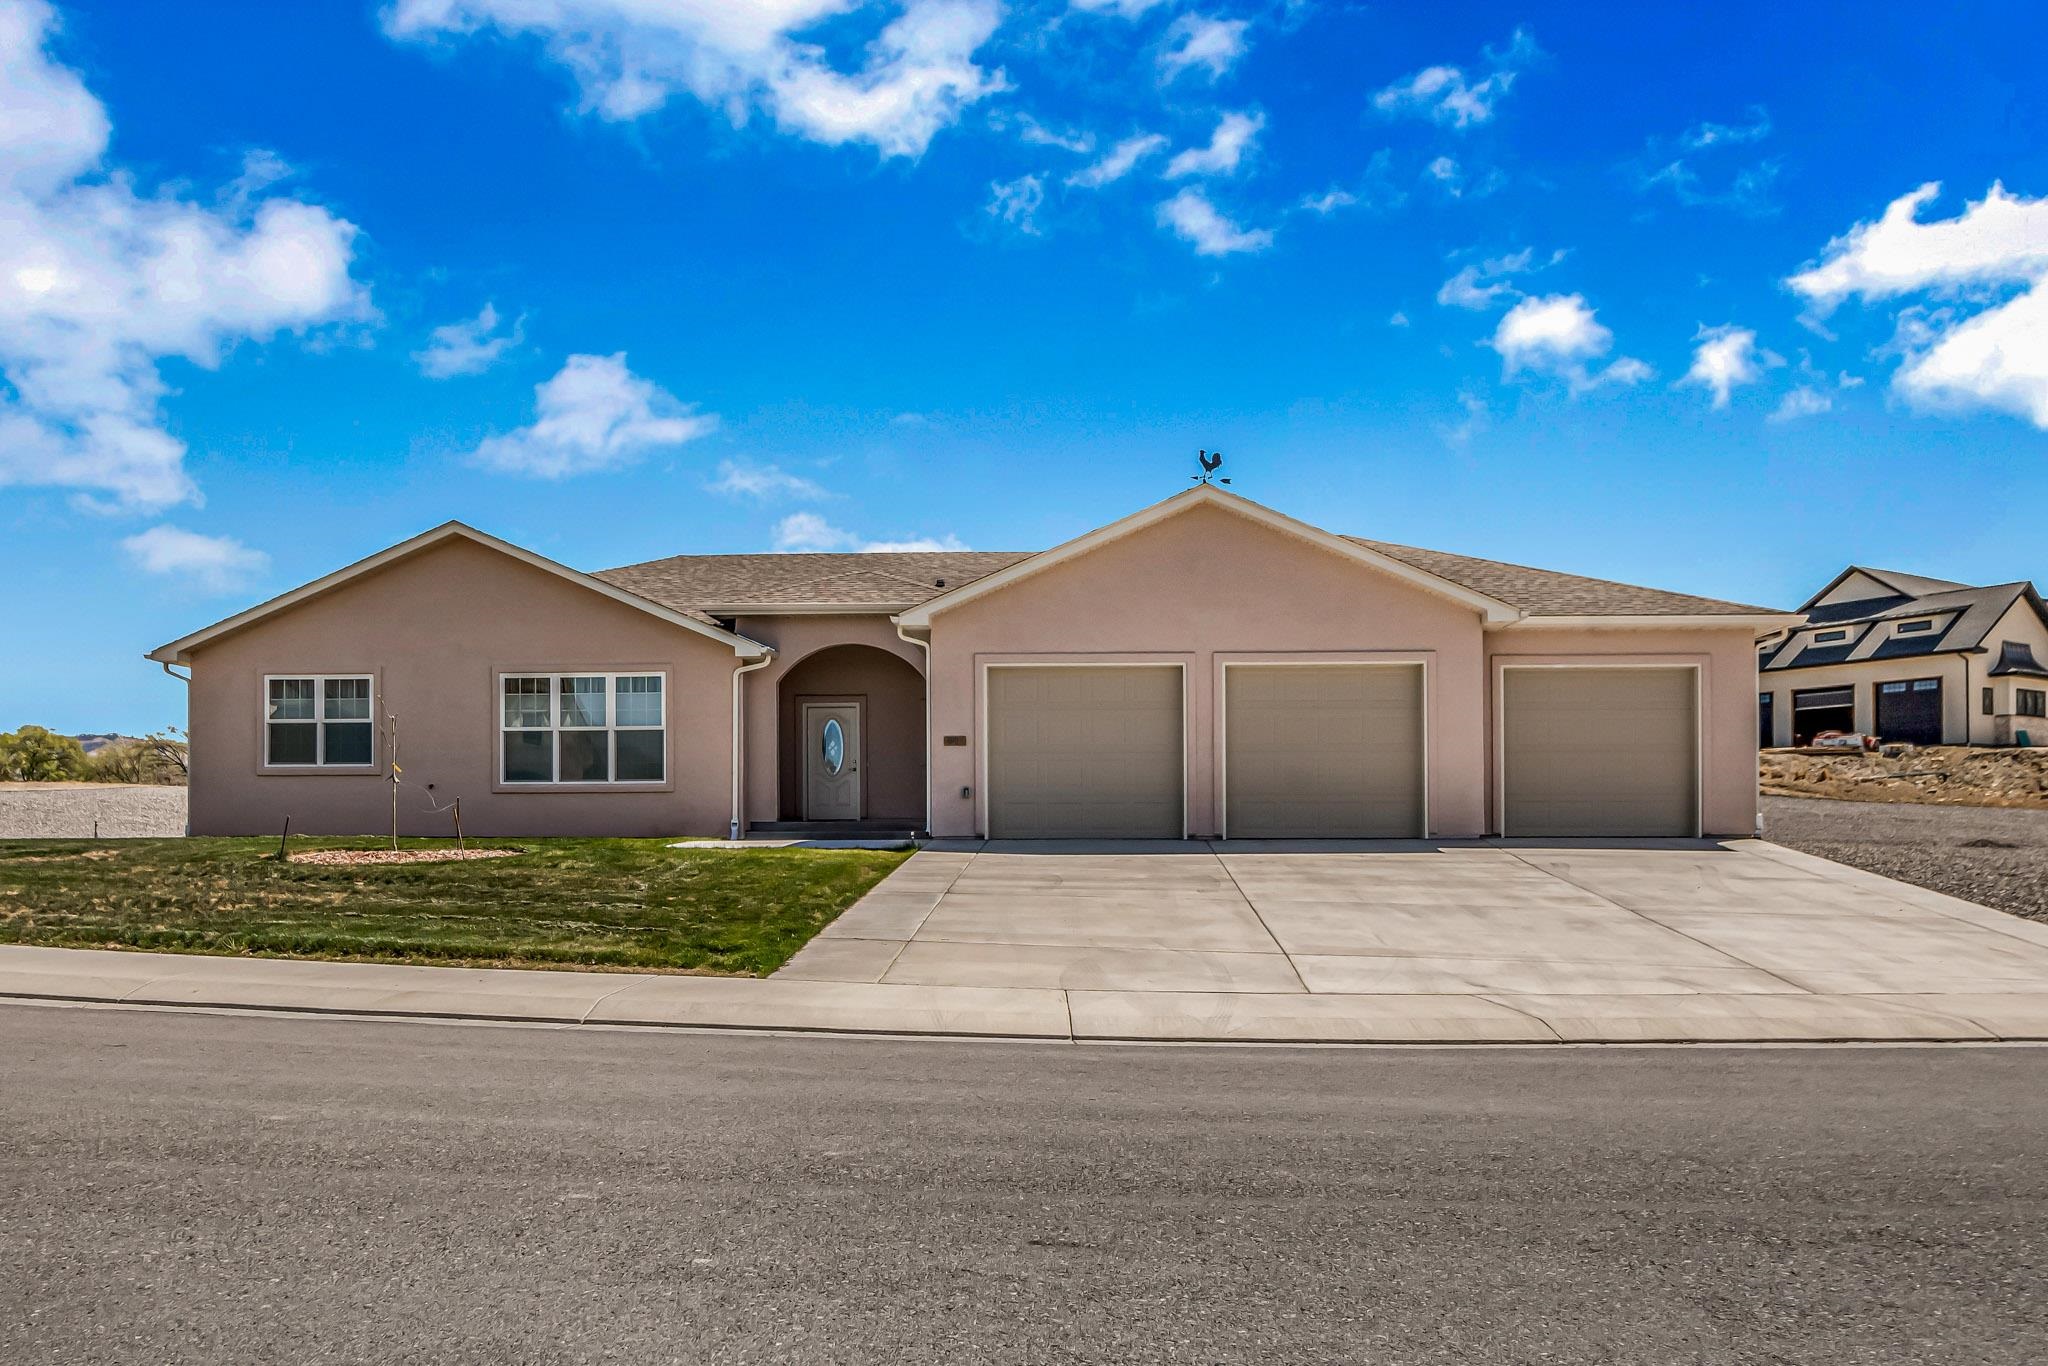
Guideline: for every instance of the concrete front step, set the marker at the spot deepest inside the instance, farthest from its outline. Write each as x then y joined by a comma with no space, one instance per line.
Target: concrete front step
901,829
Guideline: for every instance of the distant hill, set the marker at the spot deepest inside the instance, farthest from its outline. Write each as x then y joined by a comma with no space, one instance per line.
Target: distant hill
95,743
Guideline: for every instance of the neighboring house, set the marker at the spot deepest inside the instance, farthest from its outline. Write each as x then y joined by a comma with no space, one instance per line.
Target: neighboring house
1911,659
1207,666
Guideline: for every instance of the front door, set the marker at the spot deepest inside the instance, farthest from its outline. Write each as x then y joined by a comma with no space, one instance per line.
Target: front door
831,761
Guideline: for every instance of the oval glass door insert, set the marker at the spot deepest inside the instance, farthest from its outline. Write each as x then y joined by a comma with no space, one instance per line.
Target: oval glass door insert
833,741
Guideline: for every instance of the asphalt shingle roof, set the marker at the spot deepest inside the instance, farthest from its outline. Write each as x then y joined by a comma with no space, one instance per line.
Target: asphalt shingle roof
1964,617
896,581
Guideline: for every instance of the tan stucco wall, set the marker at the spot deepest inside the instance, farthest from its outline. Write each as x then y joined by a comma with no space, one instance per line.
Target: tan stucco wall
436,630
795,639
1197,589
1726,660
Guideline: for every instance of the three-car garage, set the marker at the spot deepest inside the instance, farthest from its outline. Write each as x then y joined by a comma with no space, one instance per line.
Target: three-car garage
1334,750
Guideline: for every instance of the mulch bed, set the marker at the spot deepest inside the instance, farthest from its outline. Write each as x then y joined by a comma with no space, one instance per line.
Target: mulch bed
399,855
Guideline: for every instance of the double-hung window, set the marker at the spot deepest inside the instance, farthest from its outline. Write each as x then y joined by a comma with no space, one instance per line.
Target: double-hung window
582,728
319,721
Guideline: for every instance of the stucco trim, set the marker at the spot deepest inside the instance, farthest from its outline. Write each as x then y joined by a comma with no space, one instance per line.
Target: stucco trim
180,651
1492,610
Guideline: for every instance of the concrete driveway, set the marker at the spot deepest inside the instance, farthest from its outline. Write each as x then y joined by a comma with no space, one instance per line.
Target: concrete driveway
1693,939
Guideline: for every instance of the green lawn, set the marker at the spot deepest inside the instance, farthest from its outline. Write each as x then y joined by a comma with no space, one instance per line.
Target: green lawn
609,903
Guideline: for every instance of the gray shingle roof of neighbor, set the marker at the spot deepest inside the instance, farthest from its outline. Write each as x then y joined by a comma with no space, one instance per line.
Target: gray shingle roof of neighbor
898,580
1969,613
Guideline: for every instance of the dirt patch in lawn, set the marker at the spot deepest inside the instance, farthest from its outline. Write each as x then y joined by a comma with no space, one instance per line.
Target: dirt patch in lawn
351,856
1995,857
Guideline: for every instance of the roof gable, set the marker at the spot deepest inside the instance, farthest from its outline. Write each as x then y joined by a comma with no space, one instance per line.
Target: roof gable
180,651
1490,608
1860,584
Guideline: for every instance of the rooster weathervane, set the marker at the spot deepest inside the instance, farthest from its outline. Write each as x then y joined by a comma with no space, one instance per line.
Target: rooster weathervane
1211,461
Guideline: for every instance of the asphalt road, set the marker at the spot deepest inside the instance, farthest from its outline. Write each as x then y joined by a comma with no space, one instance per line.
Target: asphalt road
177,1187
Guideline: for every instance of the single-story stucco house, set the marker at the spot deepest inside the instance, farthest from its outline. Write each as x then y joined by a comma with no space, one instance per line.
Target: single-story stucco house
1909,658
1204,667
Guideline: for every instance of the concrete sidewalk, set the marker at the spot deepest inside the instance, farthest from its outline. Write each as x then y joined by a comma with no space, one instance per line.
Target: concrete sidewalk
1730,942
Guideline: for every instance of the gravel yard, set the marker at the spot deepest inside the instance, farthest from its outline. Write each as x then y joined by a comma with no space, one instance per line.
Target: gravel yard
1991,855
68,810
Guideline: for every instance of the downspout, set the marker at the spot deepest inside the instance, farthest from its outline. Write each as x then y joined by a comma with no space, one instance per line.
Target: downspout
186,679
739,749
926,646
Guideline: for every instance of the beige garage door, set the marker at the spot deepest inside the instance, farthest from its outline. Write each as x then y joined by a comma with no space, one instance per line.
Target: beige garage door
1323,750
1085,752
1600,752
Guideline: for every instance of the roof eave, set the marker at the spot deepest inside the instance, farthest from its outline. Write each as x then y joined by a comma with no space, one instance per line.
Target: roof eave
180,650
1643,621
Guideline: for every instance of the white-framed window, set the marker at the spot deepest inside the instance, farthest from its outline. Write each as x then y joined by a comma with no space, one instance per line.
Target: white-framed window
319,721
1906,628
582,728
1829,637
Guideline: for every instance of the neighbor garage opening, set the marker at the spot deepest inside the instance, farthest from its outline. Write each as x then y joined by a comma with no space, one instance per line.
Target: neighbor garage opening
1909,711
1815,710
1090,751
1331,751
1600,751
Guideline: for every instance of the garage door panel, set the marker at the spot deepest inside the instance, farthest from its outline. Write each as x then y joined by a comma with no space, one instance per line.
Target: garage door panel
1330,751
1091,751
1600,752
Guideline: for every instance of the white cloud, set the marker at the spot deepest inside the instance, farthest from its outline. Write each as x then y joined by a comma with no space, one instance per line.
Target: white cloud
1123,9
1398,319
1233,137
1996,358
1674,164
1032,131
1446,172
1485,284
1703,135
594,414
763,483
469,346
1194,40
217,564
2001,239
100,283
1726,359
1017,202
803,532
1475,420
1557,335
1373,190
1119,161
629,57
1446,95
1194,218
1804,401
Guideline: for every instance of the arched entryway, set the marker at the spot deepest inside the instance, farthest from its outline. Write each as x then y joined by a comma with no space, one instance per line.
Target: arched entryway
850,738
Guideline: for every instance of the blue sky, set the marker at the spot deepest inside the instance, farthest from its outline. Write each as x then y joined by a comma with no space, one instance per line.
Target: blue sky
1608,292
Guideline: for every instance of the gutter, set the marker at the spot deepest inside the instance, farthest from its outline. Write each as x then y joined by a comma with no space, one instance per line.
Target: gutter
926,646
738,738
186,679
